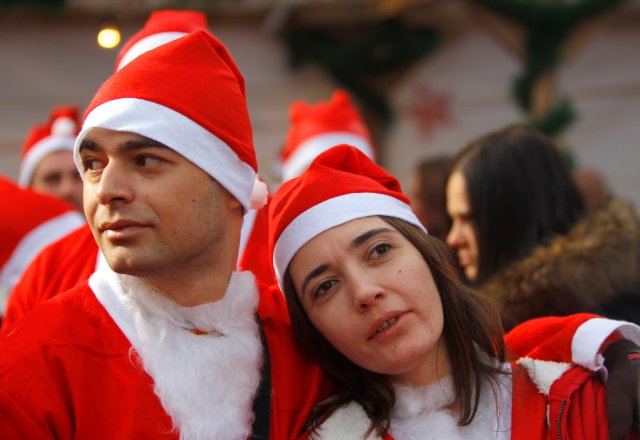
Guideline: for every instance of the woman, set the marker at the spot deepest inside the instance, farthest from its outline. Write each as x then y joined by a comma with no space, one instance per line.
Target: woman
374,300
524,237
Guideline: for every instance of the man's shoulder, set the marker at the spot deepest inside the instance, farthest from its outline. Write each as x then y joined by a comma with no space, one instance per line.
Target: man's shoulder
69,321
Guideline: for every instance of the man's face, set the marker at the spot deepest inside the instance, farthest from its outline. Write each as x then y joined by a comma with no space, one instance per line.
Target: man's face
56,174
153,213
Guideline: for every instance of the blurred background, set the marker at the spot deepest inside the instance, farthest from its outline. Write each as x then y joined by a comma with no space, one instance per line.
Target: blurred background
429,75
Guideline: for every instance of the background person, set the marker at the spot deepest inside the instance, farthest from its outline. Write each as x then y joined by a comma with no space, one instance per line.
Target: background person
47,159
525,238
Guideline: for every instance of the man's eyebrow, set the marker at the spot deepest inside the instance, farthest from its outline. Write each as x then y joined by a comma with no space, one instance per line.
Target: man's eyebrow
360,239
144,142
134,144
314,273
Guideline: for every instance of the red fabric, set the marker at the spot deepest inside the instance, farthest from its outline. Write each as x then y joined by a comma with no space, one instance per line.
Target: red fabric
336,115
195,76
50,129
577,407
166,20
255,257
546,338
59,267
22,211
336,172
67,371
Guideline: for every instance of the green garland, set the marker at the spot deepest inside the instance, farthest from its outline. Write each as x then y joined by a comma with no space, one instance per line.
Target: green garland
549,24
352,59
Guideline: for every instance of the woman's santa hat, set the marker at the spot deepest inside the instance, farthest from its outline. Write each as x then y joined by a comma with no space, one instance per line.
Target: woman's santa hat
57,134
316,128
188,95
160,28
29,222
340,185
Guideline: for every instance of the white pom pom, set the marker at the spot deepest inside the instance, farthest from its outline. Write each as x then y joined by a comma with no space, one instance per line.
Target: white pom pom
258,194
63,127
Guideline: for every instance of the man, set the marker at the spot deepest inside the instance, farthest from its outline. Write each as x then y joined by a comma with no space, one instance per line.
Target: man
164,342
72,259
47,160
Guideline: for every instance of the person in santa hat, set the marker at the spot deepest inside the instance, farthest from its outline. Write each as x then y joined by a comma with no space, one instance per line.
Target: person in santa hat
29,221
313,128
72,259
412,351
167,340
47,159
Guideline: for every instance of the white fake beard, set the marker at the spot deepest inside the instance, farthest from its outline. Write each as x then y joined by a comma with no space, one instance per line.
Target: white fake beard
206,383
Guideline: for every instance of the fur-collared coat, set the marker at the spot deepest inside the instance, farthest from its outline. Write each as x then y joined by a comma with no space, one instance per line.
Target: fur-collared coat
594,268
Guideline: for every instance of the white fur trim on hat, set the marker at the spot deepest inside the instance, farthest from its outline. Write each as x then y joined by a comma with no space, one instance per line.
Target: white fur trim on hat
30,245
146,44
179,133
308,150
331,213
38,152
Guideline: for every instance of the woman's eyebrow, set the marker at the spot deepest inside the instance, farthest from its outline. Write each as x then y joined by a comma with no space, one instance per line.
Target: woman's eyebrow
314,273
356,242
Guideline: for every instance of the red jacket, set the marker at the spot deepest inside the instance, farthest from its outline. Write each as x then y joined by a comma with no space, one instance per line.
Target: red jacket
67,371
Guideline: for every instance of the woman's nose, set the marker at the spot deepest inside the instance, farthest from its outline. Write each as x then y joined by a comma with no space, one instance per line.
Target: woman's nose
365,294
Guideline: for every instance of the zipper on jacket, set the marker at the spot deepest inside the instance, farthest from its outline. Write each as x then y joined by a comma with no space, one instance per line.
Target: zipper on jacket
562,404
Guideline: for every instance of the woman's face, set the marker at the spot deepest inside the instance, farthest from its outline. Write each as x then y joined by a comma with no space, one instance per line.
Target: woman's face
462,236
368,290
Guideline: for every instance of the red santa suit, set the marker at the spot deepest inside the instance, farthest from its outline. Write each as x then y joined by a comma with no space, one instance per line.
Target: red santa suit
254,245
114,359
29,222
554,391
59,267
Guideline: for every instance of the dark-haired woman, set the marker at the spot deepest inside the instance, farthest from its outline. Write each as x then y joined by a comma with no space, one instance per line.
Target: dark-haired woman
524,237
412,351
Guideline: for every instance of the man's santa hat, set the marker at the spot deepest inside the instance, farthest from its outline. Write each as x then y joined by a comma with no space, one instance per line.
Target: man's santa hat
160,28
340,185
316,128
33,221
57,134
188,95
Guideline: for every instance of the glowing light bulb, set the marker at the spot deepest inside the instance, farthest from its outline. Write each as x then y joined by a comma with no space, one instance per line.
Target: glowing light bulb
109,37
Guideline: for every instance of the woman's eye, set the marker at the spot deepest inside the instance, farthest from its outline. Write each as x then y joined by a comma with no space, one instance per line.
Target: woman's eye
323,288
380,250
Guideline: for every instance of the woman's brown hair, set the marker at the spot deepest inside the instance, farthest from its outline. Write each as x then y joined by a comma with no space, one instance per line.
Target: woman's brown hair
471,327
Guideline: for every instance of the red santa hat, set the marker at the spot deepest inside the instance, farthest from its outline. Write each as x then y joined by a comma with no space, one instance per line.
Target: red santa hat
161,27
188,95
317,128
340,185
33,221
58,133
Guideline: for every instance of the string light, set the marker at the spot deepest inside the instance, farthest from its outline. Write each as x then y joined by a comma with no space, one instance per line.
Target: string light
109,35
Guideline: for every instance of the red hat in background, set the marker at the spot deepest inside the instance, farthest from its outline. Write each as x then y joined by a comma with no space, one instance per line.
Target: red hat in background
316,128
59,133
188,95
33,221
340,185
161,27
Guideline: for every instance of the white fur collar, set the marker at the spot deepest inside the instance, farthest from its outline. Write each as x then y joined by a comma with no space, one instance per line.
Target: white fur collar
543,373
206,383
422,412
